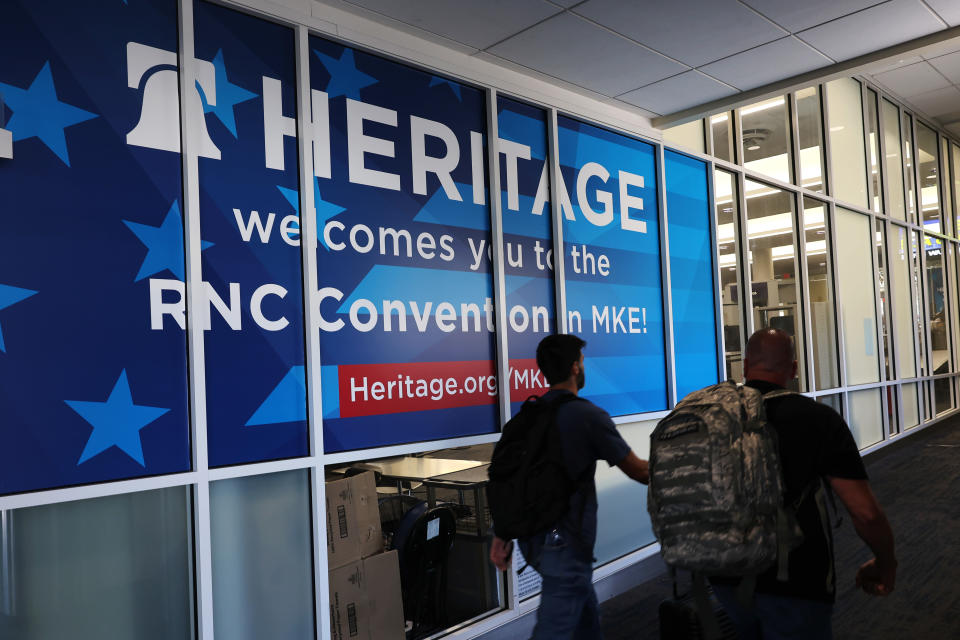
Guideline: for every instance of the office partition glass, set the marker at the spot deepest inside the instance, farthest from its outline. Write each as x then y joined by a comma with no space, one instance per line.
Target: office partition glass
943,389
823,331
911,405
955,166
873,147
262,557
847,161
938,305
834,401
929,171
765,137
721,129
857,306
917,277
866,417
775,289
810,143
688,135
908,158
618,495
893,159
901,278
727,200
893,415
947,186
880,241
112,567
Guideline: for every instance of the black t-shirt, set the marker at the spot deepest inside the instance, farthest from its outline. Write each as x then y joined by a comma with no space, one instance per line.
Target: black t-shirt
587,434
815,443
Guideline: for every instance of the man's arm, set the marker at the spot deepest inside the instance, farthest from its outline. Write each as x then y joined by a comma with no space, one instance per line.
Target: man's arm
635,468
876,577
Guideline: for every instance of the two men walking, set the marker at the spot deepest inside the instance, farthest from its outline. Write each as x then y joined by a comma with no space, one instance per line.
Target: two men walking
814,445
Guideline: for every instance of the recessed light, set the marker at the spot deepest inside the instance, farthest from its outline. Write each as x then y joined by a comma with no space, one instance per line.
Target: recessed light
753,147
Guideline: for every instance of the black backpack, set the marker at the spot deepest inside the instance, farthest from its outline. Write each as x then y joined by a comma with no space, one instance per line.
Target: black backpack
529,489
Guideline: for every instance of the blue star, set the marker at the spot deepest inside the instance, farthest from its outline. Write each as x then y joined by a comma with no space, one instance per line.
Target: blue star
116,422
228,95
38,113
10,296
164,244
434,81
345,79
325,210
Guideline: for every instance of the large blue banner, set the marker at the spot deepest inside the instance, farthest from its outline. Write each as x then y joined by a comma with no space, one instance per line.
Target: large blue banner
528,242
250,229
611,238
692,271
405,300
93,387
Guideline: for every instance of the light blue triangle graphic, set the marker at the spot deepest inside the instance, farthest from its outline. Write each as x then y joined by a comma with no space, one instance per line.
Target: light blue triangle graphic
439,209
286,403
329,376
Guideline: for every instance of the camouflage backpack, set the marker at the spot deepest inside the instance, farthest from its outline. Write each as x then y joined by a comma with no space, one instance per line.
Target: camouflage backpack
716,491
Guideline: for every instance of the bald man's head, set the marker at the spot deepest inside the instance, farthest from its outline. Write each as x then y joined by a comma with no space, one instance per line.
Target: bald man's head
769,356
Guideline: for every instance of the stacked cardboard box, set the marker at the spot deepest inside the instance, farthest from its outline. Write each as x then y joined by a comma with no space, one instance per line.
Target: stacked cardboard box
365,598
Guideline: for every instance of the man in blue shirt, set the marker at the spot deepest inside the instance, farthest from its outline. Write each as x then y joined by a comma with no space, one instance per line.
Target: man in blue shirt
564,555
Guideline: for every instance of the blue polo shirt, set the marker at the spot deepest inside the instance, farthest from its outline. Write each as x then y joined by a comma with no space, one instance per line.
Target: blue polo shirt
587,434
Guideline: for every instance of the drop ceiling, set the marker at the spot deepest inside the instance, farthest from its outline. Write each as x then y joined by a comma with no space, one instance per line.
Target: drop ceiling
658,58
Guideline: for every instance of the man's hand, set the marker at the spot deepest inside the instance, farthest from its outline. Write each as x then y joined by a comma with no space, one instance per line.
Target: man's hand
500,551
876,581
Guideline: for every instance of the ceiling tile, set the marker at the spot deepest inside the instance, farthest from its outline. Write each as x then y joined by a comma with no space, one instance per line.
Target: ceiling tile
890,64
938,49
580,52
692,31
797,16
912,80
949,10
679,92
937,103
949,66
478,23
872,29
778,60
954,128
566,3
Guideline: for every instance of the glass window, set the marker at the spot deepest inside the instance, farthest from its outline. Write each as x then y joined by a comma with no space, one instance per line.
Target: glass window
261,547
937,306
688,135
954,317
911,405
902,301
947,186
891,144
955,162
810,132
857,304
880,239
822,315
929,167
728,204
873,144
866,417
849,179
908,166
618,536
720,130
765,133
834,401
692,273
114,567
943,395
918,315
893,419
774,291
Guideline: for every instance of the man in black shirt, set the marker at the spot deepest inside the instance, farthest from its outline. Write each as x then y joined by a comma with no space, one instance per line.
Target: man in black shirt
564,555
815,446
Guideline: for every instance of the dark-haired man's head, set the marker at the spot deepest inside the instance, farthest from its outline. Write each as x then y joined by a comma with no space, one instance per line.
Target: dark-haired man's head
770,357
556,357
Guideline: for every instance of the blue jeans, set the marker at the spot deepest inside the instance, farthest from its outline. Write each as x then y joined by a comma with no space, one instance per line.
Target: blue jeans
568,604
777,617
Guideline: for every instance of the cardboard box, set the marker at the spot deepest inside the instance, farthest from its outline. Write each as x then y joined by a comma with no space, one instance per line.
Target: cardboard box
353,519
365,600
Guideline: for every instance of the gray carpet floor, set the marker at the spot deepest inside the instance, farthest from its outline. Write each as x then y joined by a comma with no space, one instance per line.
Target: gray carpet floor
917,481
